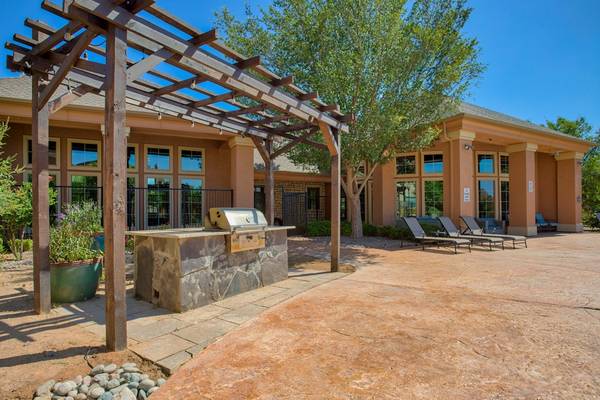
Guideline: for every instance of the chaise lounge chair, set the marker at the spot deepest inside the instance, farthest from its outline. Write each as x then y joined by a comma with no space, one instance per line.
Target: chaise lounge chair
421,237
453,232
475,229
543,225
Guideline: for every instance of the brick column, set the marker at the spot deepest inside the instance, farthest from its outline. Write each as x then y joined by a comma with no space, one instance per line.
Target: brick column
569,191
242,171
462,189
522,189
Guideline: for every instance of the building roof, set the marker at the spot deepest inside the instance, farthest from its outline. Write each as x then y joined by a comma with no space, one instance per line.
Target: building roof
284,164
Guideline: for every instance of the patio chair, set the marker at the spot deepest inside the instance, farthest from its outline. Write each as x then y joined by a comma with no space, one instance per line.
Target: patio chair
543,225
475,229
421,237
453,232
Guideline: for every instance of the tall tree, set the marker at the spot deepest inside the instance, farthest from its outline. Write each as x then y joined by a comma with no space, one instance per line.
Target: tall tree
575,127
395,64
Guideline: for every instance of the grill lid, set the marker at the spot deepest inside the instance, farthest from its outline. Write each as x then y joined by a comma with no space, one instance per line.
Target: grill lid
232,219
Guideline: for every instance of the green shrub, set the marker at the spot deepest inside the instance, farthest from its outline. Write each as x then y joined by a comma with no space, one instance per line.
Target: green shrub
318,228
370,230
84,218
2,250
27,244
346,228
72,239
130,244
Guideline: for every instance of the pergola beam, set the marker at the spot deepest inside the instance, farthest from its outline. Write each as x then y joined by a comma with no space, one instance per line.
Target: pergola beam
303,138
264,148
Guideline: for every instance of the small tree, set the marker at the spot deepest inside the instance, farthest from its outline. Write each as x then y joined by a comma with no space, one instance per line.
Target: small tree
395,64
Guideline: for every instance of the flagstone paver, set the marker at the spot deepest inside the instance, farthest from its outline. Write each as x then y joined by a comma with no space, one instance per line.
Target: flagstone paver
242,314
162,347
206,332
172,363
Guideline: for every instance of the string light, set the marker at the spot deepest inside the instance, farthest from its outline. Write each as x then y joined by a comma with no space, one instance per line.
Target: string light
159,115
193,86
85,55
220,131
193,123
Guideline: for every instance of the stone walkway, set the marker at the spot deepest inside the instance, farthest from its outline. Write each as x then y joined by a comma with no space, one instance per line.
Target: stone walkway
171,339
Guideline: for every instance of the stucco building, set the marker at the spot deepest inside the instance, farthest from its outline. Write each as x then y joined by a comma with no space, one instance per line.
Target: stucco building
485,164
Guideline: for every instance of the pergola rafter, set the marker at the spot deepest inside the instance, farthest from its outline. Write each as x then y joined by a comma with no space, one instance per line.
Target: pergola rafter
253,102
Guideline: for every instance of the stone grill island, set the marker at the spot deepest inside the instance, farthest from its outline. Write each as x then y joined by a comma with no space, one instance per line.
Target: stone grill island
182,269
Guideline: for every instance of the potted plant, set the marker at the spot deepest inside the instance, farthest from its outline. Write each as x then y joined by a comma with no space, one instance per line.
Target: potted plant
86,219
76,264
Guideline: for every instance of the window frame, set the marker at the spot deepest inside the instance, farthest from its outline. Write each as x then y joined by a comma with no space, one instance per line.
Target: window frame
152,171
417,194
137,157
319,208
136,200
494,163
180,196
70,165
180,149
505,179
432,174
26,164
146,190
417,166
500,173
422,202
69,185
496,201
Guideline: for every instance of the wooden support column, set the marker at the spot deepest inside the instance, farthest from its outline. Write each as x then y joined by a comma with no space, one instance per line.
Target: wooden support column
336,168
269,184
114,173
41,220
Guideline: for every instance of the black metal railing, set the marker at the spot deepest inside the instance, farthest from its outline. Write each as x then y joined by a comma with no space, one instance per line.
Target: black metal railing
152,207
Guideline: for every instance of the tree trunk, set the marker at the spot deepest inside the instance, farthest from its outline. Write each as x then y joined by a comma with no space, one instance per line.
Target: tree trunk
353,203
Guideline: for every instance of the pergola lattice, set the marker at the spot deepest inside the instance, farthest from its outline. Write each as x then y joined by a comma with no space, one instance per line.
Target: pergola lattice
252,101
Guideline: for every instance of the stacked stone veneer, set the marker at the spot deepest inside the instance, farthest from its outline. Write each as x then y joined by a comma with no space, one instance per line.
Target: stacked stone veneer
180,274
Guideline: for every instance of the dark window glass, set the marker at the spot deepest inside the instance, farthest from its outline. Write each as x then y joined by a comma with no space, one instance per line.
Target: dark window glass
504,164
504,193
84,154
52,157
158,201
191,202
406,165
433,163
487,199
131,157
434,198
406,198
84,188
131,203
158,159
191,161
313,198
259,198
485,163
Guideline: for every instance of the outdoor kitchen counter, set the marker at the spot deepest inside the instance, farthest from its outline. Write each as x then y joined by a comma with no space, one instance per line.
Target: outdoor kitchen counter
183,269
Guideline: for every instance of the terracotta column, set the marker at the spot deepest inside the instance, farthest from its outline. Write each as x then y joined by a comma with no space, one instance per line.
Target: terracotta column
242,171
384,194
522,189
462,189
569,191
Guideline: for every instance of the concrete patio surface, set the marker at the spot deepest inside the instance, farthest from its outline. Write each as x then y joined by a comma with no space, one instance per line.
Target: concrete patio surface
420,325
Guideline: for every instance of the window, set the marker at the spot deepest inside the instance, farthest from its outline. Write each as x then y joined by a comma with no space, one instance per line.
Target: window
158,201
504,193
85,188
406,165
313,198
433,163
504,164
131,157
191,213
53,152
54,183
406,199
259,198
158,158
131,202
433,193
485,164
487,198
191,160
85,154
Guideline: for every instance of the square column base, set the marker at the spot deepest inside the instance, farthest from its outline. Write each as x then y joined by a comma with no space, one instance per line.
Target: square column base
570,227
523,230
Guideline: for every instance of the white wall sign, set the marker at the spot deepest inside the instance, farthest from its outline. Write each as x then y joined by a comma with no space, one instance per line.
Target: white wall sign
530,186
467,195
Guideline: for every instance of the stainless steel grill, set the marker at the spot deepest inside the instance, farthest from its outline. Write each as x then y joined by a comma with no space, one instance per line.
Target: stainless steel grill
246,225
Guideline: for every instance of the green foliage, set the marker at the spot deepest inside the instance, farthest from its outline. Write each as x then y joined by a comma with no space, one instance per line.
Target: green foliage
72,238
130,244
575,127
27,244
323,228
2,251
369,230
397,65
84,218
15,216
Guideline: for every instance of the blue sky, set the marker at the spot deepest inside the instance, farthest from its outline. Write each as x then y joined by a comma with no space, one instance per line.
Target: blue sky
542,56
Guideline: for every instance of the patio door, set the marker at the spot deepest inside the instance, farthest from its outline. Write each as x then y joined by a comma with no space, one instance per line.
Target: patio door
158,202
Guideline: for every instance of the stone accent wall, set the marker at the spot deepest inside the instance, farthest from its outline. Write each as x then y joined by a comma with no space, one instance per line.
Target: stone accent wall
183,274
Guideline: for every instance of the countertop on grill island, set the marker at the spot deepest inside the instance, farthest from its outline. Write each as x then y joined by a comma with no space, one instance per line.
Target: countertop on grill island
187,233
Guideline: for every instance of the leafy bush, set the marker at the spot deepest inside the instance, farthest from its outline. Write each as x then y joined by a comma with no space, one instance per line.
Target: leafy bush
130,244
84,218
72,238
2,246
323,228
27,244
346,228
370,230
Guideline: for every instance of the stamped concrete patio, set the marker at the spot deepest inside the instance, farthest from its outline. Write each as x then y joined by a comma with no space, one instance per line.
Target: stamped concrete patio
420,325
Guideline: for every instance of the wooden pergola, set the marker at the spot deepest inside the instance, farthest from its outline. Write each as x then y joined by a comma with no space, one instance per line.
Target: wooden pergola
254,102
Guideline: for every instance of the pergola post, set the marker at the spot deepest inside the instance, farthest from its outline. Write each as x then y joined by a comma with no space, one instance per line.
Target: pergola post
336,167
41,220
114,174
269,184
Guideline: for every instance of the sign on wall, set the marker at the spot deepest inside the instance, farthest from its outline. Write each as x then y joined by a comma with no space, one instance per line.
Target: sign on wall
467,195
530,186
